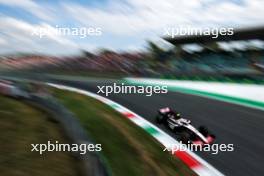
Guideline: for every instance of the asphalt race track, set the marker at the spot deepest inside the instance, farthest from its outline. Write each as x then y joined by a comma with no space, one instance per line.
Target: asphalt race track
232,124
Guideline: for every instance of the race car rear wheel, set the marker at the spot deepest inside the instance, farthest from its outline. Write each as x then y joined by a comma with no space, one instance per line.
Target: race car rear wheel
203,130
159,118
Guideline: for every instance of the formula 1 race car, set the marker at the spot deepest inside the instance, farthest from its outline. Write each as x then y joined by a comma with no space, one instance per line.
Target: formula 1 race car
181,126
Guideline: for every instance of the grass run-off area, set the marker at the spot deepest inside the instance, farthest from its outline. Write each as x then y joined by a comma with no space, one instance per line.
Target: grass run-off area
22,125
127,149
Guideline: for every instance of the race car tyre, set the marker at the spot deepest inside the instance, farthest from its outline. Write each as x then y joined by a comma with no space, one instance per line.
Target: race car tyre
185,137
159,118
203,130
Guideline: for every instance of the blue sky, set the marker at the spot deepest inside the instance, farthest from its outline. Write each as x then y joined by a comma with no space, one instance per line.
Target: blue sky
125,24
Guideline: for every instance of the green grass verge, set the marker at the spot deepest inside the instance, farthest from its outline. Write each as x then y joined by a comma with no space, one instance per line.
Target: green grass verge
127,149
223,79
20,126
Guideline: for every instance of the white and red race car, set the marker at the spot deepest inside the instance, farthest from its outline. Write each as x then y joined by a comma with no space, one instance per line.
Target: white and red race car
183,127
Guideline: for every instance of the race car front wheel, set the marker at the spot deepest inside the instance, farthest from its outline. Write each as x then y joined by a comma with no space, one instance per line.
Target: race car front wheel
185,137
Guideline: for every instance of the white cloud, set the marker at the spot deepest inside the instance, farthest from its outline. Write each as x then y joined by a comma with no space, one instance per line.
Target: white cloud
132,20
154,16
31,7
2,42
19,36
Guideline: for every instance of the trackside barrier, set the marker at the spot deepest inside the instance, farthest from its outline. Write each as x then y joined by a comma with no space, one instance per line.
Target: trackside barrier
10,90
5,89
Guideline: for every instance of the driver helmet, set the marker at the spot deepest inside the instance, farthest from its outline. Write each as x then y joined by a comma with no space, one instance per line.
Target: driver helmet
173,114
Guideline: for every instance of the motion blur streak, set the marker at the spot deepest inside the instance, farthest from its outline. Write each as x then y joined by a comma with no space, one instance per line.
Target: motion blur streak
231,123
